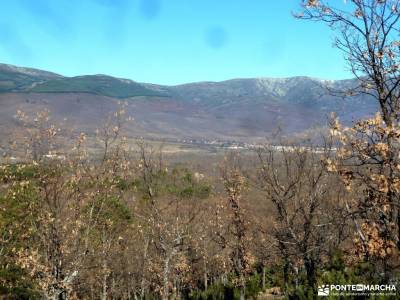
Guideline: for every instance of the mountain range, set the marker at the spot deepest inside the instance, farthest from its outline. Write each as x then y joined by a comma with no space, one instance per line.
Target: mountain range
236,110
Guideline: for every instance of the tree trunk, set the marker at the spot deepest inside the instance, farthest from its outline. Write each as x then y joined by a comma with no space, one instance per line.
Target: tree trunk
104,291
58,294
264,271
310,270
242,293
286,274
205,276
105,267
165,278
142,283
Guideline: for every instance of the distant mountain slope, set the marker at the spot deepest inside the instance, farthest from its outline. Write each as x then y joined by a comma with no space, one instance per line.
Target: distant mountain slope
254,96
97,84
238,109
13,79
295,90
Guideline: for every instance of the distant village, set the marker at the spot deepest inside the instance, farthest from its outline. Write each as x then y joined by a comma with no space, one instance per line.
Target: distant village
227,144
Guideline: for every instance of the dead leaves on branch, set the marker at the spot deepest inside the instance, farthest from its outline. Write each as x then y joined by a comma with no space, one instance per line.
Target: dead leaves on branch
368,161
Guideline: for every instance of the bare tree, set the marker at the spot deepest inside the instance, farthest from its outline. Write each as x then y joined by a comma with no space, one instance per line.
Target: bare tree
235,185
170,208
367,33
294,179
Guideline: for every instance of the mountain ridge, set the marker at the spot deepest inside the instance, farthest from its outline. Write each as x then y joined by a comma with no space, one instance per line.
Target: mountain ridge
236,109
52,75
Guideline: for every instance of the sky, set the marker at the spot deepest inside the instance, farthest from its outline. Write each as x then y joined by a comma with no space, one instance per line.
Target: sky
167,41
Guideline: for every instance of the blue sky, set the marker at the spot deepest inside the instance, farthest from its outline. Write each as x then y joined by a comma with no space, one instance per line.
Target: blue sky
167,41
